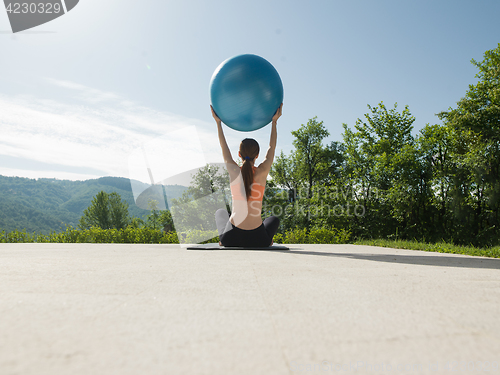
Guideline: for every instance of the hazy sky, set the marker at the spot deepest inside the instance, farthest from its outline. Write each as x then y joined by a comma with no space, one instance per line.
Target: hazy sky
81,96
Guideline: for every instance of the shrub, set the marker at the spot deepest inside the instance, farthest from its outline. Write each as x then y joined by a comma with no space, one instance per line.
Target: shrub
295,236
329,236
200,236
314,236
93,235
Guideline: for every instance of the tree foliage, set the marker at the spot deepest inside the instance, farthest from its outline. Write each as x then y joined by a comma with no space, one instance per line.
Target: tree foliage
106,211
310,155
479,109
382,181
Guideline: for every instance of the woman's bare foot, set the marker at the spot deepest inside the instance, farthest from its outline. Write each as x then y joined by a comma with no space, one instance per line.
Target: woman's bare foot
220,243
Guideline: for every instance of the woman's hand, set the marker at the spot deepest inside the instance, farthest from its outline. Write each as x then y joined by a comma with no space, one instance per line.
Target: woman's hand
214,115
277,115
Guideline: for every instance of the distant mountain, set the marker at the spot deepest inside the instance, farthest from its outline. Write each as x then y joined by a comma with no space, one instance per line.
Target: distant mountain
44,205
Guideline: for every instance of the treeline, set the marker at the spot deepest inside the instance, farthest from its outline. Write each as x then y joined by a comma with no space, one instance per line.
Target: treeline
46,205
130,235
380,181
148,235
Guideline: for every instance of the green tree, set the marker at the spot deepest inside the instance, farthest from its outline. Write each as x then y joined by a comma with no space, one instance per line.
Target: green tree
479,110
159,219
311,155
382,170
106,211
118,209
335,156
285,174
475,127
152,220
382,136
436,147
136,222
294,177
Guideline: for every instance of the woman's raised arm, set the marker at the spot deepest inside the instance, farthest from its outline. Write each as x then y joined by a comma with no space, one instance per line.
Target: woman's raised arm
268,160
226,153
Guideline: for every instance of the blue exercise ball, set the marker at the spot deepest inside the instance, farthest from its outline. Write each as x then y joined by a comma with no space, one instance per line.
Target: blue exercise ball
245,92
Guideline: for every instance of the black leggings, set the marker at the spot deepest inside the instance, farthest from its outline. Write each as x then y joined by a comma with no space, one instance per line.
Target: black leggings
229,235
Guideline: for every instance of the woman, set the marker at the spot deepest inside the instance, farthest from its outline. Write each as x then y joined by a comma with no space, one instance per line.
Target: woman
245,226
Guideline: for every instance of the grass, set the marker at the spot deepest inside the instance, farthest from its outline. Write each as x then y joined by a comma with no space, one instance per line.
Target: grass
440,247
295,236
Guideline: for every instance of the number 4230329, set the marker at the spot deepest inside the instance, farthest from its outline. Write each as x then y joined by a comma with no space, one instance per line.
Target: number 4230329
24,8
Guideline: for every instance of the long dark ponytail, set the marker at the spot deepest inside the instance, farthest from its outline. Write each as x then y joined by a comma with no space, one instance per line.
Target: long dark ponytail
249,149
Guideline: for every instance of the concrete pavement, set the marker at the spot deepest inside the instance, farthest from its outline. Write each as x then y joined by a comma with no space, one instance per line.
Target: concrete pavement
161,309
